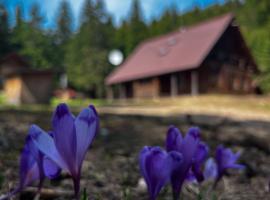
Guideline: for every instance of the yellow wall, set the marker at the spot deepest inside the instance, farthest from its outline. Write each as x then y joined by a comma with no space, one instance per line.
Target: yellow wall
12,88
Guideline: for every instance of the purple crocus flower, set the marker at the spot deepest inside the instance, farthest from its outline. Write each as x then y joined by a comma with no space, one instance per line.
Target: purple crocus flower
71,139
226,159
195,173
156,166
198,161
188,147
210,169
33,167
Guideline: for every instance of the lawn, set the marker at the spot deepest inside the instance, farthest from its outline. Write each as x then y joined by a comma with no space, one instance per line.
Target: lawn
237,107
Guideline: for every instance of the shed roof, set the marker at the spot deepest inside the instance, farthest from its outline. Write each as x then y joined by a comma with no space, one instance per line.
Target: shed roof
183,49
15,64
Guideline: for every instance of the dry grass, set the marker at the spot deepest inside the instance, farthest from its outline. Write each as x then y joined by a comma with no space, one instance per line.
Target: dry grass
239,107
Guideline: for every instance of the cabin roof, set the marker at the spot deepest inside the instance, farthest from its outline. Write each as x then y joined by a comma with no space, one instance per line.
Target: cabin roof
15,64
15,58
180,50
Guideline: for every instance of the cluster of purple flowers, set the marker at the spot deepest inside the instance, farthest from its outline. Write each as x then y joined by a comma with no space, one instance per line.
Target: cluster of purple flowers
183,160
45,154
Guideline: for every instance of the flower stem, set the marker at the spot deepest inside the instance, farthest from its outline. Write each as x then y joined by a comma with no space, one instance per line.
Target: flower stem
176,195
76,183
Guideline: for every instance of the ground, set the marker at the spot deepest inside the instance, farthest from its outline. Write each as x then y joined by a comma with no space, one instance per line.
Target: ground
111,171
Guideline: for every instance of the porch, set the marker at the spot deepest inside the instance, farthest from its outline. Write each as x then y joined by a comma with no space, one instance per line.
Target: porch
169,85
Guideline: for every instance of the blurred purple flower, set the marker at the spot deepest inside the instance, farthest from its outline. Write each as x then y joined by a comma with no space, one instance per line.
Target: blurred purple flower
198,161
33,167
156,166
224,159
188,146
71,139
210,169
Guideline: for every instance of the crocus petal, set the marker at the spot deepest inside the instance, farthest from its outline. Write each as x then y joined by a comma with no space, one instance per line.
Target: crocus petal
188,149
191,177
65,136
190,144
174,139
231,162
156,167
198,160
45,144
201,153
175,159
195,132
33,150
143,155
86,125
51,170
32,175
236,166
29,171
210,169
226,159
30,166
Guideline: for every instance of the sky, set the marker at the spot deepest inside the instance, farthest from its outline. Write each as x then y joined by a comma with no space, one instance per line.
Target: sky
119,9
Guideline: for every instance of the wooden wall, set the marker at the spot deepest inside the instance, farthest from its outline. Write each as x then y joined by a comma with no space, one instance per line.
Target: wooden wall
229,67
36,88
146,88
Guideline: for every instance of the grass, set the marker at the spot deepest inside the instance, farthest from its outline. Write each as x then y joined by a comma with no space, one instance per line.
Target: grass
234,106
79,103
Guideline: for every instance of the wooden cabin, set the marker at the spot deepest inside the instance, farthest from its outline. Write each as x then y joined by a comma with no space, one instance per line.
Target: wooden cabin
210,57
22,84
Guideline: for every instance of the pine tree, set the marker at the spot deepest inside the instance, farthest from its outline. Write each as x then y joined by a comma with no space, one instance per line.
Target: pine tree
121,37
137,30
4,32
86,62
64,23
30,40
36,17
62,35
18,16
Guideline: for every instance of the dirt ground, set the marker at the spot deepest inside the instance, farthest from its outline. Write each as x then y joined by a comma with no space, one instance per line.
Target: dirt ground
110,171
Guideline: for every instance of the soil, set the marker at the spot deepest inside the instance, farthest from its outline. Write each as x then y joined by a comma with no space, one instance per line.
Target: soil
110,171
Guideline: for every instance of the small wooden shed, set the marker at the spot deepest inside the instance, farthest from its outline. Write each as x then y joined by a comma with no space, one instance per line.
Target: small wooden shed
22,84
210,57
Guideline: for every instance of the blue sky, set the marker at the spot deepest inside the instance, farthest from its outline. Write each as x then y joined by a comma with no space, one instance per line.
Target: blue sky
119,9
